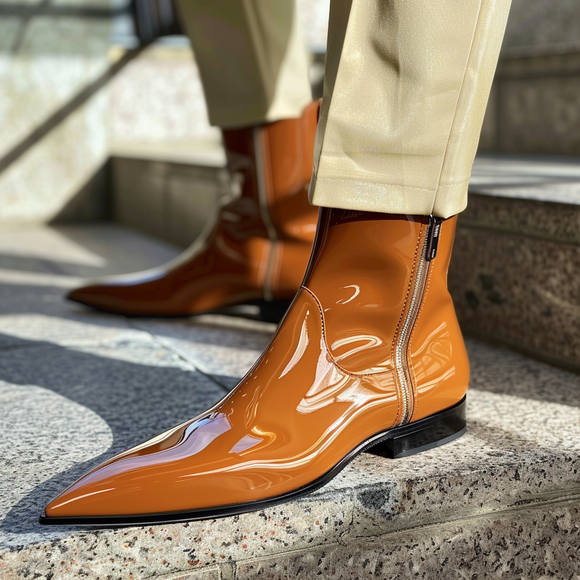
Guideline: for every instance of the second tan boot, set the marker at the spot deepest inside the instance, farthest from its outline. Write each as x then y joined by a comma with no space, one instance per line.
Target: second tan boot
259,248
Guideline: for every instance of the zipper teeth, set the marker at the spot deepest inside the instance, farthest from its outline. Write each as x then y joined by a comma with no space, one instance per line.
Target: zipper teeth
401,362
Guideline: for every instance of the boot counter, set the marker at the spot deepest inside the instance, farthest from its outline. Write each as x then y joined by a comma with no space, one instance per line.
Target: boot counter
438,361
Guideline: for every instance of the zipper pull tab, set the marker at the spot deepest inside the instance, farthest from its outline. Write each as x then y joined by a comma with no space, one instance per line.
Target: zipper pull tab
433,237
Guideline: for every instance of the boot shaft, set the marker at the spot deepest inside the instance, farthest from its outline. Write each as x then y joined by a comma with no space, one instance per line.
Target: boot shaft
386,304
273,162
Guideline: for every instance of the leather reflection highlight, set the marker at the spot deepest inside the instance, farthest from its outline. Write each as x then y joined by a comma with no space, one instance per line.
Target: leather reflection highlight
363,287
300,349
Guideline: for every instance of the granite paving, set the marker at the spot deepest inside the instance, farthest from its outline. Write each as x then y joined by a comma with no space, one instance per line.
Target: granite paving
224,347
77,387
513,274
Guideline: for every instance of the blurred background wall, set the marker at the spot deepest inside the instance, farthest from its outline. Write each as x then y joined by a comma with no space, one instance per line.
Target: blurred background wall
535,103
53,145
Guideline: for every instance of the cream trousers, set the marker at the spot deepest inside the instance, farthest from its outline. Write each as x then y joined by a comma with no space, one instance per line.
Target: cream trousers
405,91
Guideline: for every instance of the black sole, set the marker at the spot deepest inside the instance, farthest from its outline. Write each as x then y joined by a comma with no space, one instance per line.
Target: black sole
403,441
262,310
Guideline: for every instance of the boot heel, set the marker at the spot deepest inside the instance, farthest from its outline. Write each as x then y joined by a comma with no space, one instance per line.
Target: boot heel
425,434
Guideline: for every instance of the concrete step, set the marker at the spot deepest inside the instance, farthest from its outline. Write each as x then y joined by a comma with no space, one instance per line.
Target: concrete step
77,387
169,191
514,273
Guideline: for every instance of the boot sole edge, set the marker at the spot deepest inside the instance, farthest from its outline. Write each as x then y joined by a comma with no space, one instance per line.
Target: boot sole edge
268,311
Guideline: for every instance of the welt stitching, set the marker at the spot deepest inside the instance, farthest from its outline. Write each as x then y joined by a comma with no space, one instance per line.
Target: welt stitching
418,256
408,290
331,358
301,140
268,181
409,366
276,271
267,166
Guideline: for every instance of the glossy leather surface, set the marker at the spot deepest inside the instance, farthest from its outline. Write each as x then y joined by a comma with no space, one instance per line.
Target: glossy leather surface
259,246
364,287
439,363
325,384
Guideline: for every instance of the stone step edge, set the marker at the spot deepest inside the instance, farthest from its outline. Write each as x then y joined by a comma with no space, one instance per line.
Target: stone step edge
382,542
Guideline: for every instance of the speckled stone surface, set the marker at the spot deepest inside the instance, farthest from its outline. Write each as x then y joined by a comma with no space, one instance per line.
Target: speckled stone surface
221,346
514,272
529,298
501,502
520,544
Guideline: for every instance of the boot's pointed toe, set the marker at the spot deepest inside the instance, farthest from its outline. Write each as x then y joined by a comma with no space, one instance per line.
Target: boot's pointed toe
369,354
153,292
80,295
96,296
256,447
116,295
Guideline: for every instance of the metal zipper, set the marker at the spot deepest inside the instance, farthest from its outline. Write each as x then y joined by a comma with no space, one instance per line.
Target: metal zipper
428,253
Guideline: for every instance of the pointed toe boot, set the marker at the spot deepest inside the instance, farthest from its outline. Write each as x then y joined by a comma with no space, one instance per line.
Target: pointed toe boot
370,354
259,247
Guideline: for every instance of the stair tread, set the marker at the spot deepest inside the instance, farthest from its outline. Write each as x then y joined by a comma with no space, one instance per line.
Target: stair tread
531,177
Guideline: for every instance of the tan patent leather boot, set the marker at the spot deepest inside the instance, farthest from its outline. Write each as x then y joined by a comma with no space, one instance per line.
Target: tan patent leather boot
369,354
259,247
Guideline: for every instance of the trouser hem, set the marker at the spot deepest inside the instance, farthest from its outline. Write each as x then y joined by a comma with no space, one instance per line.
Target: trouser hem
361,195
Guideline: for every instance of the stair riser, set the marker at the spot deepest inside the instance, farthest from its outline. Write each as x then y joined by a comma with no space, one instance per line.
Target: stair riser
515,276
